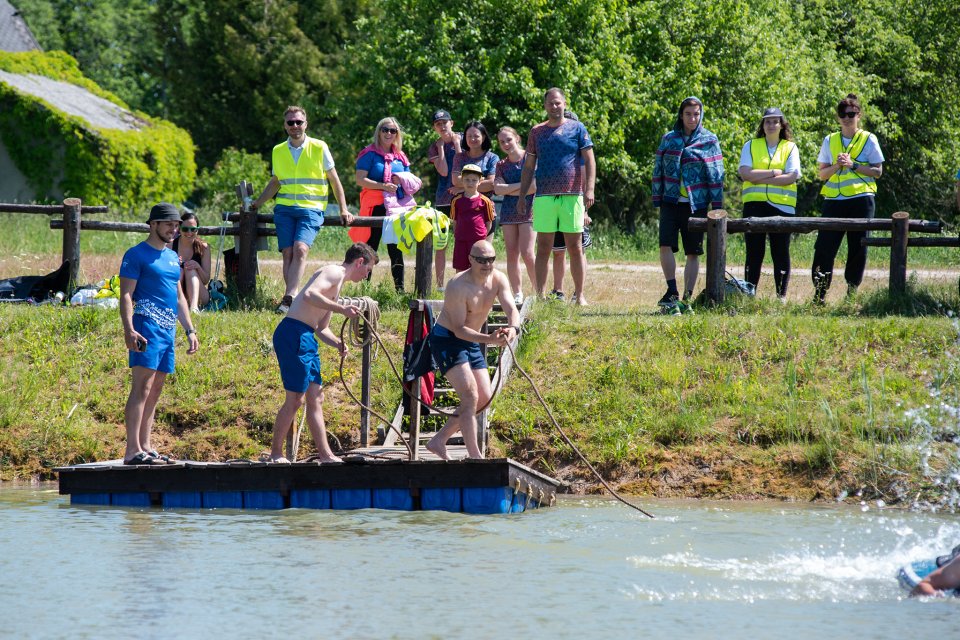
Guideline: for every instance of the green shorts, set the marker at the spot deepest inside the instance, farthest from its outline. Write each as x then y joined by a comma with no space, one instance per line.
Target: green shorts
558,213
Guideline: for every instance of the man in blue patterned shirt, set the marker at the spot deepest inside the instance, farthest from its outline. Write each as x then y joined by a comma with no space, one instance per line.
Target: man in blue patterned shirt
151,302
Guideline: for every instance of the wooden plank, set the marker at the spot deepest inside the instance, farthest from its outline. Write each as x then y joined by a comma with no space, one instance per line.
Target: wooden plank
140,227
47,209
790,224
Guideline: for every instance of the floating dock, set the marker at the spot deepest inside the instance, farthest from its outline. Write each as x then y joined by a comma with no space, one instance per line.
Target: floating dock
468,486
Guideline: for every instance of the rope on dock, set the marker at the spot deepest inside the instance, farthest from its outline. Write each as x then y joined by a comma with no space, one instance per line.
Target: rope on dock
361,340
556,425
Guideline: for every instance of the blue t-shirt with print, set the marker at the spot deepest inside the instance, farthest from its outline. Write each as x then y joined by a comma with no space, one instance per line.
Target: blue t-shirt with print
157,273
373,164
559,152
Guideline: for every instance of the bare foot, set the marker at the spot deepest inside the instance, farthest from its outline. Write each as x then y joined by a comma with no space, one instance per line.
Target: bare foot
329,459
438,448
277,460
579,300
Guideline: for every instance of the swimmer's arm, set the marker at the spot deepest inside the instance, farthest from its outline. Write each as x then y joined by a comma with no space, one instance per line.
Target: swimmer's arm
944,578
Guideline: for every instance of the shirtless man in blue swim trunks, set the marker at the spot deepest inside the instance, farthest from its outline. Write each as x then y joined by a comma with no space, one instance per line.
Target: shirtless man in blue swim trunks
295,342
456,337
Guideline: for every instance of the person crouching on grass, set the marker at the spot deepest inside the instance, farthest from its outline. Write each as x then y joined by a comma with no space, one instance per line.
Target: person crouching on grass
471,214
151,302
295,343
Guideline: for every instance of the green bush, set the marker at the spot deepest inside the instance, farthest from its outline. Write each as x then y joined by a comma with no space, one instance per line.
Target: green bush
216,187
126,170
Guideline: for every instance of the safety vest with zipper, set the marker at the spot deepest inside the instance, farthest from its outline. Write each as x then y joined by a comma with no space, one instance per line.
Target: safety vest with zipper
302,183
847,182
785,195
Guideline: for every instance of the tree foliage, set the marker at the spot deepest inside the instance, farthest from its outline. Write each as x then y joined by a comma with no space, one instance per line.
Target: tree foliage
224,70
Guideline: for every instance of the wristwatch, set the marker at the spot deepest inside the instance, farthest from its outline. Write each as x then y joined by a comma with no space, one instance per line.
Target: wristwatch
854,166
190,331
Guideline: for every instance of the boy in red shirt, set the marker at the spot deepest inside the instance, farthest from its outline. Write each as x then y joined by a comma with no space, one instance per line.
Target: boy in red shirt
471,214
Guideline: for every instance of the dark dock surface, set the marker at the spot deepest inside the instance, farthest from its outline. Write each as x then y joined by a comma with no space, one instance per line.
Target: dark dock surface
373,477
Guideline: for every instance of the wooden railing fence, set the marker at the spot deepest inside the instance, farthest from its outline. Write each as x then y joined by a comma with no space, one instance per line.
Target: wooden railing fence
718,226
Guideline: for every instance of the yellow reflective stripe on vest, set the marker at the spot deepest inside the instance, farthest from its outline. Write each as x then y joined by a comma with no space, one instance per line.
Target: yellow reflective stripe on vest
785,195
848,182
303,183
322,181
405,240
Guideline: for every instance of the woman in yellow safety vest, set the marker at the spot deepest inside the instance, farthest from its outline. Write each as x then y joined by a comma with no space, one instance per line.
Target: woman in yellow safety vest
850,162
770,168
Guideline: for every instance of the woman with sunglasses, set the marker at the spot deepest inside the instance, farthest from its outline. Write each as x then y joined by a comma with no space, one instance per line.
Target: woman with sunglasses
770,168
850,162
377,166
194,255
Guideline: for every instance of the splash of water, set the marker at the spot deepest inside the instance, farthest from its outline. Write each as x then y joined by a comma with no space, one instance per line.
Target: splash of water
938,424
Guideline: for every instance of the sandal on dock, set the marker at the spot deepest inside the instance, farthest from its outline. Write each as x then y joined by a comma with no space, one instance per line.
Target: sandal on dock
164,458
143,458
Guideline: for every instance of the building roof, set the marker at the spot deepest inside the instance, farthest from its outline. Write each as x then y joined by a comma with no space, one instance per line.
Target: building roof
15,35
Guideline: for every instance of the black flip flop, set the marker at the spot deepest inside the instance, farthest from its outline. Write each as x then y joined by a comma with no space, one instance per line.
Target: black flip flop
162,457
143,458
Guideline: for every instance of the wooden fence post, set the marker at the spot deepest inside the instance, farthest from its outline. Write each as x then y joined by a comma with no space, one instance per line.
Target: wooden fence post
423,272
899,235
247,250
716,254
71,240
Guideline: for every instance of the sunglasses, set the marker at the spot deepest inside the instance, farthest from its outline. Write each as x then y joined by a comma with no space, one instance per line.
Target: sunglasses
389,130
296,123
484,259
189,229
849,114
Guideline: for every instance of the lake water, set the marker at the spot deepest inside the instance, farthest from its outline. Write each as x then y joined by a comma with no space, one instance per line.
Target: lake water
588,568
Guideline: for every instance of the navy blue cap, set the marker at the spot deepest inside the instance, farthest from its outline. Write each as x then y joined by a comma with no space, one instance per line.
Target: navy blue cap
772,112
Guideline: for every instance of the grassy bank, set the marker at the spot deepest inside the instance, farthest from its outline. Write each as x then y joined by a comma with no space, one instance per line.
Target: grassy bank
752,400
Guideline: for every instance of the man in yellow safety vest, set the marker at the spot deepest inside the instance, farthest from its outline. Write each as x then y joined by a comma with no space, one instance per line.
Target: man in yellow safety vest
303,172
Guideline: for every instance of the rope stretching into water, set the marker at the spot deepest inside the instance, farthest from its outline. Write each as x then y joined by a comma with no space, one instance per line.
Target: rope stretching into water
360,340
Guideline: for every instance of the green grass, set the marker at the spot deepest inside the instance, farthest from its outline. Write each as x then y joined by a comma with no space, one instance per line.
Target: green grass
750,399
31,235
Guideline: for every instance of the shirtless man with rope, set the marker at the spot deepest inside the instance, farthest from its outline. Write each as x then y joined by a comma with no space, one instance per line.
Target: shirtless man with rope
456,337
295,342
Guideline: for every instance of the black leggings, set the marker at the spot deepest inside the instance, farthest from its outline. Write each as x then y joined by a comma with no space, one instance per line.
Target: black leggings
757,246
828,244
396,256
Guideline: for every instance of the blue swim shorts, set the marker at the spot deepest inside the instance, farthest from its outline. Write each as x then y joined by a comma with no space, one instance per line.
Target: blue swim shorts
159,352
296,224
296,347
449,350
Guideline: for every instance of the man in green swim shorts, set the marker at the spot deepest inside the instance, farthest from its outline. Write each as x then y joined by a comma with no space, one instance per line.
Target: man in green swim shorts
565,187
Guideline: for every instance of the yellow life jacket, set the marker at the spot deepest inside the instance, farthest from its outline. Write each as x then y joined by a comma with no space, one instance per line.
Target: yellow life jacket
414,225
302,183
848,182
785,195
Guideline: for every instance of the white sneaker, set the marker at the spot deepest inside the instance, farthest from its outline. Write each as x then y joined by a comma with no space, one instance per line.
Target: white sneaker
518,299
